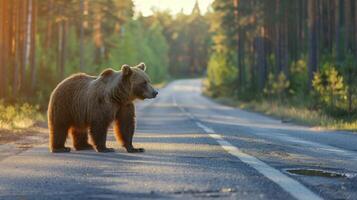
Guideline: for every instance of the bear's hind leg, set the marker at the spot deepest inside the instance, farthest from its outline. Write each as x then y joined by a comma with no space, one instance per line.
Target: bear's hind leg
58,136
80,139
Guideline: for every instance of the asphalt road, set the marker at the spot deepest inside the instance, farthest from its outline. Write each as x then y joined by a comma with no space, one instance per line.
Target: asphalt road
195,149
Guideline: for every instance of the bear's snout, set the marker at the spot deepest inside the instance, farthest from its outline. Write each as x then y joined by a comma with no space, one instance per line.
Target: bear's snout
154,93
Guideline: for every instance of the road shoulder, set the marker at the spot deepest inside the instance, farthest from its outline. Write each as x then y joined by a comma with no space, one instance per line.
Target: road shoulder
15,142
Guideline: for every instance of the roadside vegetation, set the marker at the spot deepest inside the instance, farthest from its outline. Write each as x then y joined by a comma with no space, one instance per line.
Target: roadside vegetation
281,59
19,120
19,116
298,113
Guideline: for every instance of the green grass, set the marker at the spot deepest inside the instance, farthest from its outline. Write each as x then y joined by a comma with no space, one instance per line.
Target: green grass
298,114
19,116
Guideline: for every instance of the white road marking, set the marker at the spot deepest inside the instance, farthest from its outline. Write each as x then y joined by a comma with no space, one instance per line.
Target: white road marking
174,102
205,128
293,187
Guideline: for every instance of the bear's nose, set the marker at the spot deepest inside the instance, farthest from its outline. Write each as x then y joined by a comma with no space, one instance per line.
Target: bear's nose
154,93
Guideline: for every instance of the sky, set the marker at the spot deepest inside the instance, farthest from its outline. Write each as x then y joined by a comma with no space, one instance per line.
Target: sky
174,6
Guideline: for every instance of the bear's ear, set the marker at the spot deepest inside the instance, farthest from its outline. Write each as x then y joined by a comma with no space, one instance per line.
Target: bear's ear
142,66
126,70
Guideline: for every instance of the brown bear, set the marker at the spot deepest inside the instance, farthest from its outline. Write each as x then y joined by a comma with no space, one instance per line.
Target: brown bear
85,105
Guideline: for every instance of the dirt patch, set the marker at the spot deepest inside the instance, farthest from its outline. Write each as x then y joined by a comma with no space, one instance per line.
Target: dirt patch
13,142
9,136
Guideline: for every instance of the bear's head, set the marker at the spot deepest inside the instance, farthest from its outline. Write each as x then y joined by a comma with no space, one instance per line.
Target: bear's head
141,87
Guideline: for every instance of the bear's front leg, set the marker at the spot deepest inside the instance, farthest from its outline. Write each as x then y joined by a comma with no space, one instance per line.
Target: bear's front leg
124,127
98,132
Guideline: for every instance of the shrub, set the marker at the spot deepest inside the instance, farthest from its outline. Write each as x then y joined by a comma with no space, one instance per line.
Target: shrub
329,86
18,116
298,78
277,85
221,74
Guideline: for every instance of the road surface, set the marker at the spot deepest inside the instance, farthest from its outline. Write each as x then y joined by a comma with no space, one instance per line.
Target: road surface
195,149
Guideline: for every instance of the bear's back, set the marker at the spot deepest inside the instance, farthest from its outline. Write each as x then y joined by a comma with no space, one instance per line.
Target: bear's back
73,85
69,94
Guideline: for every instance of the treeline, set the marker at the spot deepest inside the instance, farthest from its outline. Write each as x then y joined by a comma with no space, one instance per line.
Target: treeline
43,41
189,40
302,51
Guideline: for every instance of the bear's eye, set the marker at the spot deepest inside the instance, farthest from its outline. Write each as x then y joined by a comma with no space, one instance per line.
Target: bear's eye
144,83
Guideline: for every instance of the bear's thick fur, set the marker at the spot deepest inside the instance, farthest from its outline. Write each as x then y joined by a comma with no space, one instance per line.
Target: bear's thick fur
85,105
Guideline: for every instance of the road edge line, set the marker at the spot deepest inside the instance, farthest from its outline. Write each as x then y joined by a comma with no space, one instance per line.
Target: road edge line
288,184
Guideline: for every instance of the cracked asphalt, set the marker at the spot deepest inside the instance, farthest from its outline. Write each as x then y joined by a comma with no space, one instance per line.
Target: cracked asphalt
183,160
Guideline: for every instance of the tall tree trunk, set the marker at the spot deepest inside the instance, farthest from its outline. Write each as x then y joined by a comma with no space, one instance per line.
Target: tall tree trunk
318,16
293,30
304,34
7,10
191,58
2,44
329,15
16,47
312,64
241,57
253,68
62,42
285,44
355,26
277,38
238,45
347,25
49,24
64,48
33,45
23,42
353,74
338,30
81,36
97,37
28,33
261,58
301,28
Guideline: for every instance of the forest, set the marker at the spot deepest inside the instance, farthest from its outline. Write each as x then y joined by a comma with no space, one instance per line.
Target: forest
42,42
301,52
294,52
